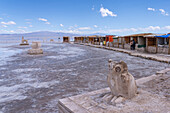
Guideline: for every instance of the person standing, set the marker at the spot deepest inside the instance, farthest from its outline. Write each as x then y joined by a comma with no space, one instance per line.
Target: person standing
133,44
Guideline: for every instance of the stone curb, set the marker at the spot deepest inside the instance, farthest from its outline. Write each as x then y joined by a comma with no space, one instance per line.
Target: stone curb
136,54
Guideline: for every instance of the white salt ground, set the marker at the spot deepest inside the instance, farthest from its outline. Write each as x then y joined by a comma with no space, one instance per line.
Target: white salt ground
25,70
15,92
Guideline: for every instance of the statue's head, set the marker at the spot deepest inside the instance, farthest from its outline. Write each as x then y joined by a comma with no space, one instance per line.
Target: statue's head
117,67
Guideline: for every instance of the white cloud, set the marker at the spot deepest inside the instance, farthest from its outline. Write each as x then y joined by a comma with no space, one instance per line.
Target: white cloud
163,12
166,14
133,30
84,28
75,25
11,31
61,25
22,27
95,26
28,22
30,26
88,30
150,28
8,23
4,26
20,31
70,31
43,19
123,30
166,27
92,8
71,27
28,19
47,22
106,12
151,9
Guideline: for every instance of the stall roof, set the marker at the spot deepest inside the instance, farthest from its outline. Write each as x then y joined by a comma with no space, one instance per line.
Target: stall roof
154,35
94,36
80,36
163,36
141,34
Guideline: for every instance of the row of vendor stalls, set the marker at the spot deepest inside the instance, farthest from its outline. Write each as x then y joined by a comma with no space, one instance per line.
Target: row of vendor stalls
148,42
94,39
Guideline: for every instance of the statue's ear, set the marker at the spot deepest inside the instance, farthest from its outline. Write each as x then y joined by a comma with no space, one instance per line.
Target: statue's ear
110,63
124,65
110,60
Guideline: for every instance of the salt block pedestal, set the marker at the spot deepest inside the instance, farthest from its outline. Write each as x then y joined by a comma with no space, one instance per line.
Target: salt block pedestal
35,51
35,48
92,103
24,44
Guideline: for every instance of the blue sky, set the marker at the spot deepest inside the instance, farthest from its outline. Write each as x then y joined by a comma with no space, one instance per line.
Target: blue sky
120,17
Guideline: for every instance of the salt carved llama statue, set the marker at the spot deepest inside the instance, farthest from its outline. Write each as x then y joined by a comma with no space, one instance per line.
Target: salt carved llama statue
24,42
120,81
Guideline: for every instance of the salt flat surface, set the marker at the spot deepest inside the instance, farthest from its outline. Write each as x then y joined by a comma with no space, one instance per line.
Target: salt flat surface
34,83
5,52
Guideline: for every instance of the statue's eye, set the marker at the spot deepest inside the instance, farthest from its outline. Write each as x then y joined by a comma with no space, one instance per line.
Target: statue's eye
118,69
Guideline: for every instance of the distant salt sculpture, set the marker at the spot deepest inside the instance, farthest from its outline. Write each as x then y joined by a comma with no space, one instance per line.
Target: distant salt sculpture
51,40
24,42
122,84
35,48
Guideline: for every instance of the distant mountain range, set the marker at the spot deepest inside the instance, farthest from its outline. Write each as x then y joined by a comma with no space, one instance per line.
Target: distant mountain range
41,35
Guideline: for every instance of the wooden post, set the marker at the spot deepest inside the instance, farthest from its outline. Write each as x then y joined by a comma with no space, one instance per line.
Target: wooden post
122,43
146,44
109,41
93,41
169,46
118,41
99,40
156,45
